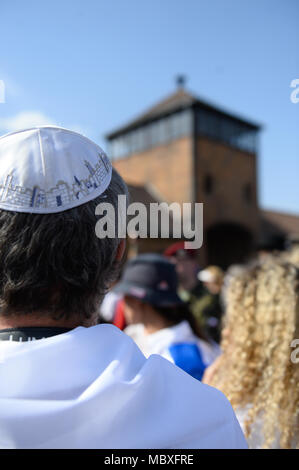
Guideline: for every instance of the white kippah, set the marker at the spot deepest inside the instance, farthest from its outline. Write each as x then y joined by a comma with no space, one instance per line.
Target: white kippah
48,169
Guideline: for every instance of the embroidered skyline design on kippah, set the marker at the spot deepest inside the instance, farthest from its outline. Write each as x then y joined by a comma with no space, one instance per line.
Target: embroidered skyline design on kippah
60,195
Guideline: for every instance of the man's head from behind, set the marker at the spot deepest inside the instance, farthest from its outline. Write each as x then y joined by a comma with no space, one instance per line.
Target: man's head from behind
52,264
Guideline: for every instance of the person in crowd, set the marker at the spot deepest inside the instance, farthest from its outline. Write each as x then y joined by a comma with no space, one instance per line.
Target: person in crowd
111,310
108,307
292,254
258,369
159,321
66,381
208,309
190,289
185,261
232,271
269,245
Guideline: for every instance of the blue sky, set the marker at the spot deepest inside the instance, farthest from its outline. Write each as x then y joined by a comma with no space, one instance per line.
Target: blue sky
91,65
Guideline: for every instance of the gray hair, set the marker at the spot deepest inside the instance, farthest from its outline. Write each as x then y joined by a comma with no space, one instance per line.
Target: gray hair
54,264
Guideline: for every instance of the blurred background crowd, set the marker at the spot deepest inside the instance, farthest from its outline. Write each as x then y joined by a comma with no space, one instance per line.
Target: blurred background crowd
227,313
235,329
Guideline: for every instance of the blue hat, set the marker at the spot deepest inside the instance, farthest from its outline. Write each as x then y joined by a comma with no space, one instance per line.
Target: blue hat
151,278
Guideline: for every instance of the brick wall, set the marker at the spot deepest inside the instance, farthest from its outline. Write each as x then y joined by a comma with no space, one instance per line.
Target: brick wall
166,167
169,169
231,171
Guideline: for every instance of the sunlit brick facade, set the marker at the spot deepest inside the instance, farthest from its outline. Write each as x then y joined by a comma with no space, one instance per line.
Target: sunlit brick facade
185,150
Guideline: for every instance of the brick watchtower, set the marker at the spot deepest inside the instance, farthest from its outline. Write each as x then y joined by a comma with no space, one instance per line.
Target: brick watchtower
188,150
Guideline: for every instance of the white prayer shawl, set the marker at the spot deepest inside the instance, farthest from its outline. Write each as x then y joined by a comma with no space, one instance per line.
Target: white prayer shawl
93,388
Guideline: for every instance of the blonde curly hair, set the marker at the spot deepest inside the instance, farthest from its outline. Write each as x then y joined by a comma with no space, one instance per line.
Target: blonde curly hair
256,368
293,255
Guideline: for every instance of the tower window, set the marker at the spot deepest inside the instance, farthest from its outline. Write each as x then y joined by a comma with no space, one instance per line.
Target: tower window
208,184
247,193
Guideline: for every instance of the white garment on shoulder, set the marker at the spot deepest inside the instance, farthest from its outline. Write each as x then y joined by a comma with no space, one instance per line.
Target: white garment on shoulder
160,341
93,388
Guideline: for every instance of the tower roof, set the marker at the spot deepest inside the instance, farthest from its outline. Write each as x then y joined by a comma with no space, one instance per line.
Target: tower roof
180,99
